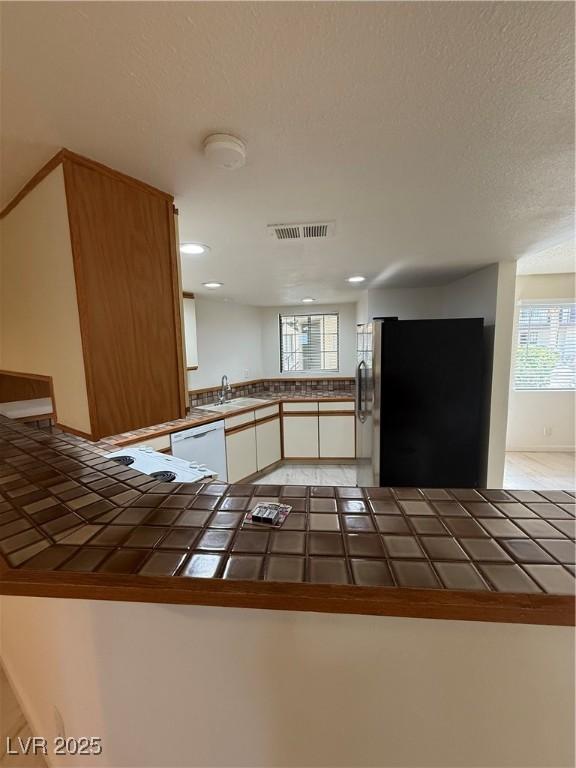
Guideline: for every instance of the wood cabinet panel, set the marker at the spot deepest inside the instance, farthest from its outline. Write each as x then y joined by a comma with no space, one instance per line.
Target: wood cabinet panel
268,449
129,300
300,437
241,454
337,437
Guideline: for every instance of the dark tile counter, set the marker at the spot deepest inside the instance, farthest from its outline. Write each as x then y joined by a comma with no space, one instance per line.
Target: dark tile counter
75,524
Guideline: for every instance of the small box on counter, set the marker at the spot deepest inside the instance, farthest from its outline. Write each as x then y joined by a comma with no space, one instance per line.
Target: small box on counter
268,514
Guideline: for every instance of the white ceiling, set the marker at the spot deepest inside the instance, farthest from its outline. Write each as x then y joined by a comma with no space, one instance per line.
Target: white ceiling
557,259
439,136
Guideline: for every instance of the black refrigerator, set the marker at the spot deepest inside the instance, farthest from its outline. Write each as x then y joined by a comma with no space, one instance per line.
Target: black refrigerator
420,403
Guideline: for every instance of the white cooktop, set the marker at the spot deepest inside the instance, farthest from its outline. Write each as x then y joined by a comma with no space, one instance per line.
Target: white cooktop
149,462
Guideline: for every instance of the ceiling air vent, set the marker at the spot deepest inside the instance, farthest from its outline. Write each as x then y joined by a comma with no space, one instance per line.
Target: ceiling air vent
301,231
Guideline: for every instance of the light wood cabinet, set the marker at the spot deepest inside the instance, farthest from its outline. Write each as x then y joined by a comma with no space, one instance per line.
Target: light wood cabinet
241,454
301,437
268,443
105,288
337,436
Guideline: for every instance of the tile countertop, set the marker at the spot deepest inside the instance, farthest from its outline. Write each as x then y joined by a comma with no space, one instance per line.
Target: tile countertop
76,524
198,416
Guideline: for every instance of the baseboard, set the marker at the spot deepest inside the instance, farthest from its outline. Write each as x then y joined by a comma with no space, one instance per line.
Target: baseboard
541,449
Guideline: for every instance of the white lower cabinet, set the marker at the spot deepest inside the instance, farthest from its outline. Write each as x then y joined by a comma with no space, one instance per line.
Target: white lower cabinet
301,437
268,450
241,454
337,437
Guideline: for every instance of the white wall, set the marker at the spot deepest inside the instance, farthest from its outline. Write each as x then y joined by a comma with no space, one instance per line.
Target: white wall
38,305
541,421
405,303
271,338
167,685
229,342
486,293
489,293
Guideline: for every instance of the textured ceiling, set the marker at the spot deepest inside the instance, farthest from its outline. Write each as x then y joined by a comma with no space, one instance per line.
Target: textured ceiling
559,258
439,136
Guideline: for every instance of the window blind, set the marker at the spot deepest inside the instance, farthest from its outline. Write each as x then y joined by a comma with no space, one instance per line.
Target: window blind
309,342
546,346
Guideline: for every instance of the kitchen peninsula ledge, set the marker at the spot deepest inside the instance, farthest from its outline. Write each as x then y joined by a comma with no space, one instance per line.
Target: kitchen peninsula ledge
198,416
75,524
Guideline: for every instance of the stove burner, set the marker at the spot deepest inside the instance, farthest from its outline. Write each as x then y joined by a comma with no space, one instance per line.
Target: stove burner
124,460
164,476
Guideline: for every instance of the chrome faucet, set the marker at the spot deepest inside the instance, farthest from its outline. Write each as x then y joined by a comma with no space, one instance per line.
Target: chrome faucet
224,390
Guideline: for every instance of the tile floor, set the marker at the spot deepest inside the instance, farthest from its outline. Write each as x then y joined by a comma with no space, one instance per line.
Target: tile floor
536,471
311,474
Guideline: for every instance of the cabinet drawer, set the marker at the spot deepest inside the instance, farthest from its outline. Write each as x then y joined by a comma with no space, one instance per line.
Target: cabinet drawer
237,421
156,443
268,410
300,437
305,406
334,405
241,454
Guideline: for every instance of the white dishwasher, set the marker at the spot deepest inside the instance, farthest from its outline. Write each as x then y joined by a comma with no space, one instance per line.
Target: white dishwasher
203,445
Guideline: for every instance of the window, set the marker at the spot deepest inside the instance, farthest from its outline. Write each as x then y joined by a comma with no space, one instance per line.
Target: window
546,346
308,343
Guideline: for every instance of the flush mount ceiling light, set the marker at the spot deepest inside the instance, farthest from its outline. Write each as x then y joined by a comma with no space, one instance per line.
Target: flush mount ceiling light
194,249
213,284
308,300
356,279
225,151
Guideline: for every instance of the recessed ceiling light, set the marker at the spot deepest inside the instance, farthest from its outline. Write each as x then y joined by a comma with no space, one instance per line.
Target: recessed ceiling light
356,279
193,249
213,284
308,300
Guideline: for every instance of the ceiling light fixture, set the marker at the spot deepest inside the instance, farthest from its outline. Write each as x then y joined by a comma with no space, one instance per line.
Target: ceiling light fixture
356,279
308,300
194,249
213,284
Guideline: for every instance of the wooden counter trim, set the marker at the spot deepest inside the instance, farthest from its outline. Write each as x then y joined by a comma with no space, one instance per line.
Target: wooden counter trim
37,377
212,416
376,601
63,154
240,428
321,414
289,414
266,419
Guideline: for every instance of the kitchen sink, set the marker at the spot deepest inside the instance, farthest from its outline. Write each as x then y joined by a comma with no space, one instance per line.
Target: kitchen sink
233,405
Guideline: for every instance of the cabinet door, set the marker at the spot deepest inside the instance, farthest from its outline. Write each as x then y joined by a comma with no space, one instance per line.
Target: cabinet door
337,437
268,443
241,454
301,437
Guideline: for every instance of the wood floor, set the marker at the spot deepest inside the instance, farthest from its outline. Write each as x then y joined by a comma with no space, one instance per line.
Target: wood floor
13,724
544,471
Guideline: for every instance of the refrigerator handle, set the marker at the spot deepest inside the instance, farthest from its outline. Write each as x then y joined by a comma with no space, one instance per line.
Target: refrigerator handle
359,390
